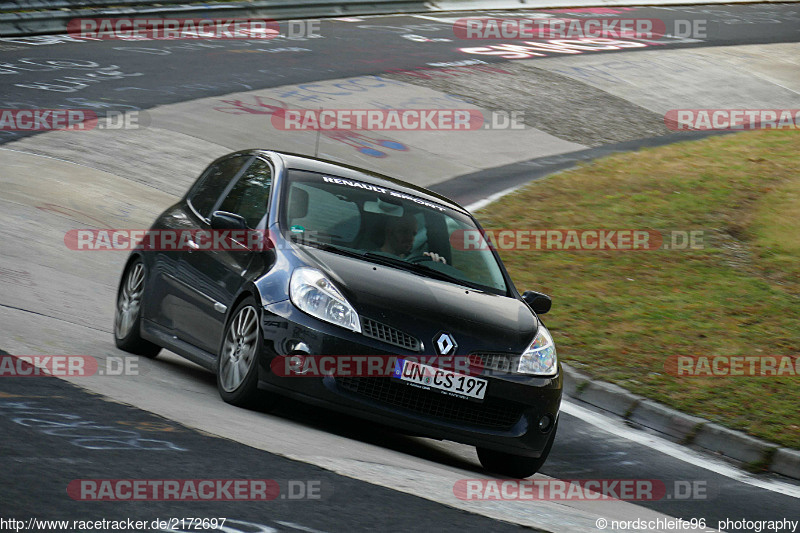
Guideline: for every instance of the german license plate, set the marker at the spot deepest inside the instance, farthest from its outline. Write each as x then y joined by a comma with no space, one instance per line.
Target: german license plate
430,377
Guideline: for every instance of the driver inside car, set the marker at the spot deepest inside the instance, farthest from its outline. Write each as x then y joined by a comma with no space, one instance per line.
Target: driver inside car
399,238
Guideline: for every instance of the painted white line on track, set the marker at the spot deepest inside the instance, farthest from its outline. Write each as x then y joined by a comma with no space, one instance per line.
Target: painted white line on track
676,451
480,204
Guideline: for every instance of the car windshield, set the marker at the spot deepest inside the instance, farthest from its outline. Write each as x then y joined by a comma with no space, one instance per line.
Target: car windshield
383,225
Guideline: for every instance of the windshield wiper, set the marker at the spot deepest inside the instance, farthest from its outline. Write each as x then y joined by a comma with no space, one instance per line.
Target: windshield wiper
417,268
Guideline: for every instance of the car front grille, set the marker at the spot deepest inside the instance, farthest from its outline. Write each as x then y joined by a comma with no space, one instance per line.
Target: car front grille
492,413
500,362
388,334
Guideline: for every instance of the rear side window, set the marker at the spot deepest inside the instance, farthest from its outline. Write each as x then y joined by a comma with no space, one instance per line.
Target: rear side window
213,182
250,195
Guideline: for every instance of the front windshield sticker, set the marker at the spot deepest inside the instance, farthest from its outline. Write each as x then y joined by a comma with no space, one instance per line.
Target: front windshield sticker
368,187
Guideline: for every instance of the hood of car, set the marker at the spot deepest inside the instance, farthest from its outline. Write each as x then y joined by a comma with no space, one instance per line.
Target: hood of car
426,308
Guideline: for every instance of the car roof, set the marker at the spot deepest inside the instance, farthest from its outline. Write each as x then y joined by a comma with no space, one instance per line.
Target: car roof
341,170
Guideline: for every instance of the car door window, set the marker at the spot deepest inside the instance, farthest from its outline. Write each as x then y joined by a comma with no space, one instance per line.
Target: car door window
213,182
250,196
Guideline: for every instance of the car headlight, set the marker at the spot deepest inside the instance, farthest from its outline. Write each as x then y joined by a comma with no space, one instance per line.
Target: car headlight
540,358
314,293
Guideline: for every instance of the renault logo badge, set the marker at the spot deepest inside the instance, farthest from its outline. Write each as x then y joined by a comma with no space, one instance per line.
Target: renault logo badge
445,344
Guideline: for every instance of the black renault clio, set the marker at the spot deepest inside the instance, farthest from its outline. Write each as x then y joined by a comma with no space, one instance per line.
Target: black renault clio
355,264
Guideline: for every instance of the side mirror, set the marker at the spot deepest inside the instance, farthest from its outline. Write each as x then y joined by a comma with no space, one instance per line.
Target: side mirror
227,221
539,302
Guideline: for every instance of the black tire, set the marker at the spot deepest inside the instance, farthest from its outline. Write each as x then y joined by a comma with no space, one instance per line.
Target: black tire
242,323
515,466
128,313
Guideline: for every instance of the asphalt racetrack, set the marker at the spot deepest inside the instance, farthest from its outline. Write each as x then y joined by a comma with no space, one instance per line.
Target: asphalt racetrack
196,100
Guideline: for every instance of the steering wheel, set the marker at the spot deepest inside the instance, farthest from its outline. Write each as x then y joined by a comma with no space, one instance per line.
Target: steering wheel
433,257
417,258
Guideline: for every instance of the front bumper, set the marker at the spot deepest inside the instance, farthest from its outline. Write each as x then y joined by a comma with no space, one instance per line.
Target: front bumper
506,420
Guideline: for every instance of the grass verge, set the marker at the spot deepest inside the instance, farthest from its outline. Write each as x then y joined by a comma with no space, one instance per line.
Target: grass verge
619,315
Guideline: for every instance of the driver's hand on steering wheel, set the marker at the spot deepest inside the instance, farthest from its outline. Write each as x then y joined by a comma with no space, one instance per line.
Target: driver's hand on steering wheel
435,257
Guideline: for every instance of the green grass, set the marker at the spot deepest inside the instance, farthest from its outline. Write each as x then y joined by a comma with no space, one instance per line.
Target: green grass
619,315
